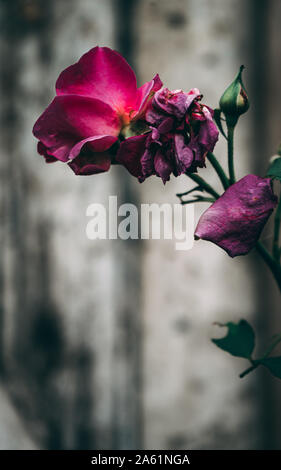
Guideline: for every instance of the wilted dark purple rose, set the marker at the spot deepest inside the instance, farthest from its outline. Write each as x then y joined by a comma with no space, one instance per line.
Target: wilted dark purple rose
181,133
235,221
96,99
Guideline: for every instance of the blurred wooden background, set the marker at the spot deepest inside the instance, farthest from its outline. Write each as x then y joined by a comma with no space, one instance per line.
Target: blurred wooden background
106,344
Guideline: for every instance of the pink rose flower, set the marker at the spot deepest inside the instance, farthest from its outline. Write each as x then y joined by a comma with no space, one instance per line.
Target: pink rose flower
182,133
96,98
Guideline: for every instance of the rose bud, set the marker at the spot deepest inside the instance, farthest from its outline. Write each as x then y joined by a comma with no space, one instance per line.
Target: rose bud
234,100
235,221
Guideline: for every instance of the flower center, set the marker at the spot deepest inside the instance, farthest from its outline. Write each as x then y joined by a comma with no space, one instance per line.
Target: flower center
134,128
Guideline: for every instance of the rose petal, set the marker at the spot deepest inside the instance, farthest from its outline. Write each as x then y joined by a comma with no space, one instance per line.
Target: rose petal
199,152
70,119
184,155
145,93
91,163
95,143
104,74
42,150
208,132
130,152
175,102
162,167
192,95
235,221
147,163
166,125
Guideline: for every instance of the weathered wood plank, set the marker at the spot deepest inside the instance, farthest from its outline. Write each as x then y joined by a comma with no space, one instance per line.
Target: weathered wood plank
65,313
193,397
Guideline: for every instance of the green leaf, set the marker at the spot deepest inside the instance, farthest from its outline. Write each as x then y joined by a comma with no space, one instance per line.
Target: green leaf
274,170
273,364
239,341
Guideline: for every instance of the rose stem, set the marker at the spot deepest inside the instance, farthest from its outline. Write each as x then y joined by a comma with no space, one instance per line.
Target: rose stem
202,183
230,138
219,170
271,262
277,222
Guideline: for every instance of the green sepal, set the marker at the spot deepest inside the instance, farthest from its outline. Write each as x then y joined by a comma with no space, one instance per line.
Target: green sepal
217,119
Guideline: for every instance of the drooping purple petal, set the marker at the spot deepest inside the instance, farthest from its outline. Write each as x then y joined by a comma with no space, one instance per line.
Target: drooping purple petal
208,133
235,221
162,166
147,163
130,153
184,155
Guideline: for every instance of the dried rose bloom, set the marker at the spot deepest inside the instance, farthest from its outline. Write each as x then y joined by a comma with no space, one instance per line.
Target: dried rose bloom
182,132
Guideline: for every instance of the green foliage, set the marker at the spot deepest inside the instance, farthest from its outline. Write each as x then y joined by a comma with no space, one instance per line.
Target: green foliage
239,341
274,170
273,364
